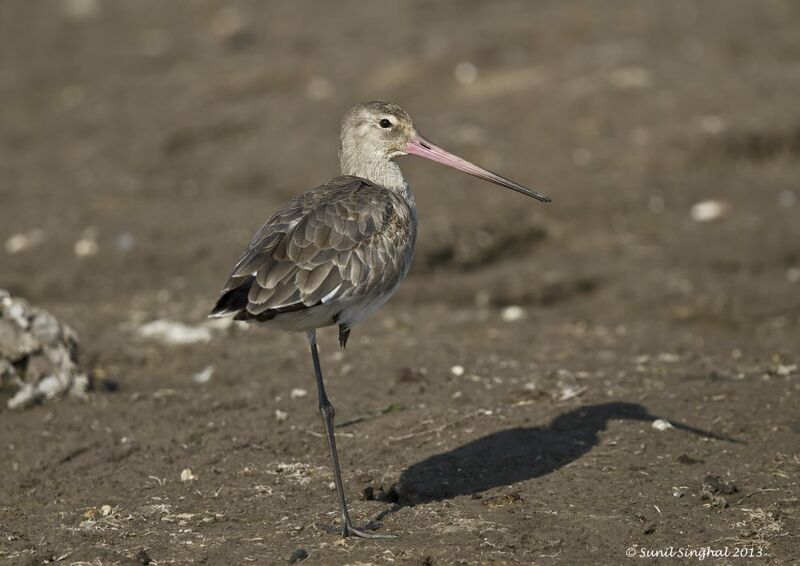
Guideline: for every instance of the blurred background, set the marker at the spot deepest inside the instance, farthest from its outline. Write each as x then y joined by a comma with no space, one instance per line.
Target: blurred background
142,143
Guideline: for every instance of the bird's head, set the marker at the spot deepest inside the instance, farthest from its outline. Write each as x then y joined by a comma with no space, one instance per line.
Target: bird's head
378,130
377,127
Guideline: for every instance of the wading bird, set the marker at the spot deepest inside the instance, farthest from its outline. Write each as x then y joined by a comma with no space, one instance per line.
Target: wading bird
335,254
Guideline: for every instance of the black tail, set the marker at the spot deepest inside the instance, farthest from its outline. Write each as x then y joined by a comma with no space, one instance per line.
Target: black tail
234,300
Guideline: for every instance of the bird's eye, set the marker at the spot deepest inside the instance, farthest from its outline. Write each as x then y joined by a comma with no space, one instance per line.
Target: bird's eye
385,123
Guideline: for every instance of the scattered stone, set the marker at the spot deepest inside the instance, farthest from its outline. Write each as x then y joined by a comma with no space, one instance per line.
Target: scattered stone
174,333
187,475
760,525
688,460
24,241
512,314
662,425
106,510
87,245
717,485
37,354
297,393
714,488
669,358
679,492
457,371
502,500
298,555
390,495
568,392
281,416
708,210
204,375
142,557
298,472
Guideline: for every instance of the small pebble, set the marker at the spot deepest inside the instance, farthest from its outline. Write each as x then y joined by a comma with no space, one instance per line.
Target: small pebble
24,241
174,333
105,510
512,313
457,371
679,491
281,416
708,210
142,557
298,555
297,393
187,475
203,376
661,424
86,248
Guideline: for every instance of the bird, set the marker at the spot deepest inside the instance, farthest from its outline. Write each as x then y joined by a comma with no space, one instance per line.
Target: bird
335,254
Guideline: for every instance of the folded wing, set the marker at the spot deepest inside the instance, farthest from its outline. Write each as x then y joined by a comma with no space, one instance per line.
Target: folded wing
326,245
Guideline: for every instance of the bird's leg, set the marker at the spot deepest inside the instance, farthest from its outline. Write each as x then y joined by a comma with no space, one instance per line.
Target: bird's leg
327,413
344,335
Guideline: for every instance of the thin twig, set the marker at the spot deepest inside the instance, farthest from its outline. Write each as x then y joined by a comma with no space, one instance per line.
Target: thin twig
761,490
433,430
374,415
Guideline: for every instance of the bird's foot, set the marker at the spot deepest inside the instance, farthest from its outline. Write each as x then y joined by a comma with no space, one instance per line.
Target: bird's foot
349,530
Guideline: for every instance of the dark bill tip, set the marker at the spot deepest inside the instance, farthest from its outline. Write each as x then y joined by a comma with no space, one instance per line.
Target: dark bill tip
429,150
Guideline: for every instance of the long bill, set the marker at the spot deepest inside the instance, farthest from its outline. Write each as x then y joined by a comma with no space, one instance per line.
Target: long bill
429,150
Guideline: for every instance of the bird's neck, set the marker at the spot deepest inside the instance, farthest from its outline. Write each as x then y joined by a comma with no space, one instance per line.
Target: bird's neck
377,168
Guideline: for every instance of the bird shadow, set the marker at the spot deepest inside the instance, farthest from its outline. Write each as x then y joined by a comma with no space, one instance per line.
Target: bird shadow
517,454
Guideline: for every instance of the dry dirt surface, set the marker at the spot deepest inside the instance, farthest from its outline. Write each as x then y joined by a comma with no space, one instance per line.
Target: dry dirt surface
500,409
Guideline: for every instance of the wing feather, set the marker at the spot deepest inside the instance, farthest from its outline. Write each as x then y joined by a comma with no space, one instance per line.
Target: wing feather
330,243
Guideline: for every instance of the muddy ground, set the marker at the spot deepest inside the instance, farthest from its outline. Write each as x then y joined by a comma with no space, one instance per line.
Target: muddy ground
509,387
